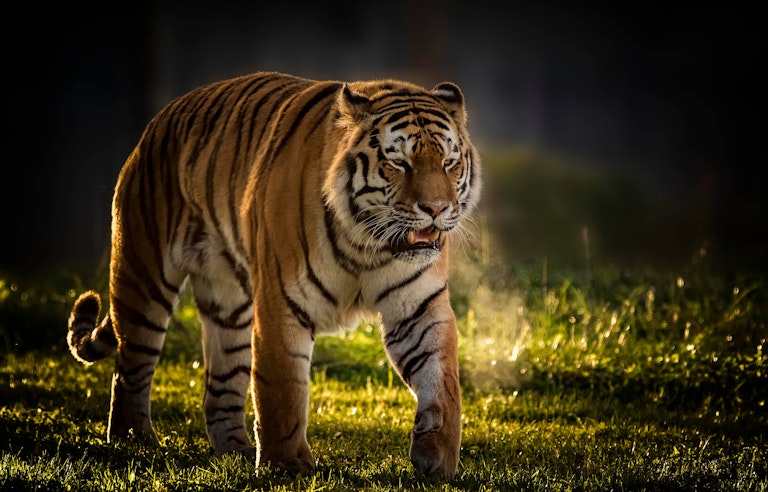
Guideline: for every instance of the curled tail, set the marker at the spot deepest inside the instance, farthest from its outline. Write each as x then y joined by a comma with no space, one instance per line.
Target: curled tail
88,341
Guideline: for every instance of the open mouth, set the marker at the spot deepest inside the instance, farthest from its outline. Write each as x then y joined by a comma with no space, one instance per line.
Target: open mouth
427,238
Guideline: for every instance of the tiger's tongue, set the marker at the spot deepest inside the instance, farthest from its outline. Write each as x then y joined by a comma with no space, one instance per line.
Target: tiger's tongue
427,235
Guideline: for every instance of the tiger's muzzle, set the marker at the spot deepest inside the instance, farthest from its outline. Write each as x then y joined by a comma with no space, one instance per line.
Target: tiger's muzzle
428,238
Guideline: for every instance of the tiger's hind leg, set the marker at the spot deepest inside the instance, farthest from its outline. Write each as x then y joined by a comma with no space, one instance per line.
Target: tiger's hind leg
140,309
226,313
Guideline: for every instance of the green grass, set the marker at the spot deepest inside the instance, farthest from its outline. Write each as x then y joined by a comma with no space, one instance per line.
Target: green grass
53,438
609,381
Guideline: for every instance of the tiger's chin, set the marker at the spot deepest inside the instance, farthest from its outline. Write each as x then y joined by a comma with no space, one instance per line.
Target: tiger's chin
419,246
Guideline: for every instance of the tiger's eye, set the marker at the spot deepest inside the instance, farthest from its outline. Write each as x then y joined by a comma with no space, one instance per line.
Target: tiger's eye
399,164
449,163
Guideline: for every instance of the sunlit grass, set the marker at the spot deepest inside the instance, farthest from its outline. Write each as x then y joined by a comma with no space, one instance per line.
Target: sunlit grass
615,380
53,437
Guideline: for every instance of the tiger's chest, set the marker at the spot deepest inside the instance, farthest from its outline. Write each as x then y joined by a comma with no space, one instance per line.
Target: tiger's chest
334,299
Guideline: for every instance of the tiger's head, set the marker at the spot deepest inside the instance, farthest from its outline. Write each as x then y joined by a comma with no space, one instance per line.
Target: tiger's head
405,174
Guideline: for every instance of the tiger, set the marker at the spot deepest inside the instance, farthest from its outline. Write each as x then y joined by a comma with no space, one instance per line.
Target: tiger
292,208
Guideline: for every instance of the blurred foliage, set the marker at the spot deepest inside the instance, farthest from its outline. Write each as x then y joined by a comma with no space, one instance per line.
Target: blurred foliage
539,205
34,312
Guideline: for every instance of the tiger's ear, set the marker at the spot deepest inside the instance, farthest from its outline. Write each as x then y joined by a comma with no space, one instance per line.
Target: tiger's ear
353,106
450,95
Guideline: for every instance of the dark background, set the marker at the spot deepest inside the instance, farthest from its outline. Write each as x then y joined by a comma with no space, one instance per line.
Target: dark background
670,99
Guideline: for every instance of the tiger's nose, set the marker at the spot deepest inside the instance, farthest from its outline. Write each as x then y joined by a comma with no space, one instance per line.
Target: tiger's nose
433,208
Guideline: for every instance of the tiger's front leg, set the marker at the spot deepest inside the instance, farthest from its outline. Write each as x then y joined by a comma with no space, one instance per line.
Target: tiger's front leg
281,370
423,347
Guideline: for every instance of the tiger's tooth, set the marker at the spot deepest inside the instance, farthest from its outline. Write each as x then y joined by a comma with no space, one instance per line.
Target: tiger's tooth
411,237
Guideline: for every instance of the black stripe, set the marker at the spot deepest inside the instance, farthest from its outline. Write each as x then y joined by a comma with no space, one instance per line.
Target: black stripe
390,117
141,381
240,326
406,325
238,311
351,165
301,316
212,311
373,140
420,112
254,106
442,122
342,259
404,96
234,372
235,438
368,189
194,103
218,393
141,348
412,105
417,344
260,378
471,166
176,114
285,91
299,119
313,278
139,269
414,365
365,163
401,284
133,316
121,370
237,348
423,306
241,273
399,126
230,409
322,116
298,355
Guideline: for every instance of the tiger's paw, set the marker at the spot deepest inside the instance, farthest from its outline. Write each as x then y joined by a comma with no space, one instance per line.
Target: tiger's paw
139,434
291,464
435,443
294,467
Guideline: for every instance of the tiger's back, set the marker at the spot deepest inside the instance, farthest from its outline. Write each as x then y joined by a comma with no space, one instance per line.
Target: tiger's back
293,207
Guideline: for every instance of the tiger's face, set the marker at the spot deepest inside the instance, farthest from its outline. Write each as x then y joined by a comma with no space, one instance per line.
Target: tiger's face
408,172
